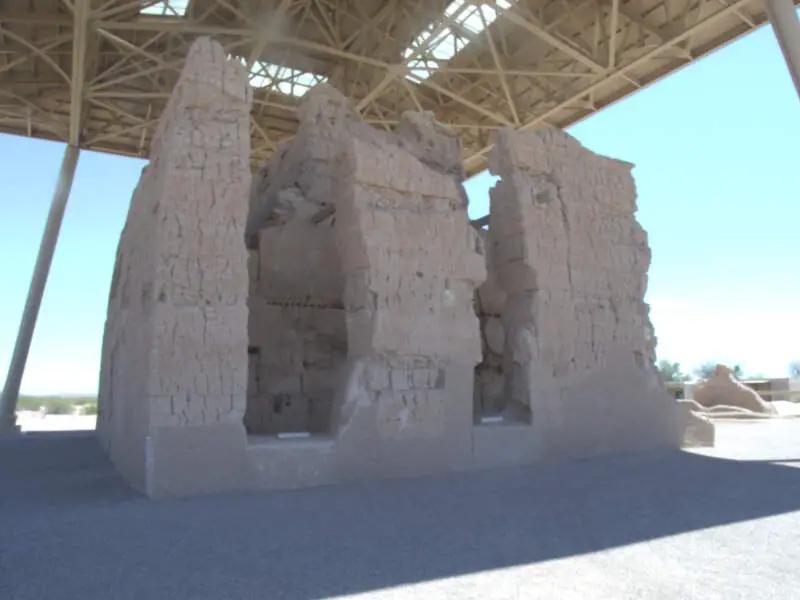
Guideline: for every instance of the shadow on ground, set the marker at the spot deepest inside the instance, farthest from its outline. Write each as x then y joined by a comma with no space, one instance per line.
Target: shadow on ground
69,528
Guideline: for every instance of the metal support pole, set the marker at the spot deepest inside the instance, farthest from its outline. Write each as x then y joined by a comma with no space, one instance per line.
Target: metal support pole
10,393
783,16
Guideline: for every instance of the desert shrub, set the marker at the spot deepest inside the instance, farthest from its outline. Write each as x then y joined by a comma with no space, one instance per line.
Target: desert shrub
29,403
57,405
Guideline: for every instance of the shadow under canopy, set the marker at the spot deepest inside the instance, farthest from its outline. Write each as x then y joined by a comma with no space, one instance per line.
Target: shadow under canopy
70,527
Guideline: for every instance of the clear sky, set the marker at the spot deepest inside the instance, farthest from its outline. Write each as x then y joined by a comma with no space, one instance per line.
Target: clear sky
716,149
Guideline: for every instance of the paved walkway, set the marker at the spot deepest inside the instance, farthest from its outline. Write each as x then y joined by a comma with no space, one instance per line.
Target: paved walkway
673,526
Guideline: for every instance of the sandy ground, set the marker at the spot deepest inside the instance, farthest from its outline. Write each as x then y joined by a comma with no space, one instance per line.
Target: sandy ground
787,409
717,524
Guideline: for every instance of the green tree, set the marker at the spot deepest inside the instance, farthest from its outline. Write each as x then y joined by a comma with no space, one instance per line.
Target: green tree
671,371
706,370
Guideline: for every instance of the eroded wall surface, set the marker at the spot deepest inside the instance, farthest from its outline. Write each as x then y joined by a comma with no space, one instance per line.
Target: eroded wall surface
723,389
122,424
174,372
297,181
371,301
360,306
573,260
412,264
490,300
298,338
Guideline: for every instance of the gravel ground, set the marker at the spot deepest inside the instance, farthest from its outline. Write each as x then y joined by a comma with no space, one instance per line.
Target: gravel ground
718,524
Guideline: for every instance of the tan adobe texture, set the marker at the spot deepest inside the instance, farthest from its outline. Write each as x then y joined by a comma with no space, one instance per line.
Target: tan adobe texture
175,345
341,318
572,261
722,389
698,429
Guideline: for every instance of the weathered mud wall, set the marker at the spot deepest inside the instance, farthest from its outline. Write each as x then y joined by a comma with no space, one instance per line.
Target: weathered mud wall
298,179
698,429
123,411
371,301
412,265
723,389
490,300
175,345
361,306
298,338
573,261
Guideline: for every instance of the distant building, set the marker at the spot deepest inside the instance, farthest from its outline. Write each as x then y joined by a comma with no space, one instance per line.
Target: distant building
781,388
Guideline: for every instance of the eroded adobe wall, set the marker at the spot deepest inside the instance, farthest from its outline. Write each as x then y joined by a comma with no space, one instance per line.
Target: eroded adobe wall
123,412
298,179
490,299
411,263
175,350
298,339
724,389
363,273
573,261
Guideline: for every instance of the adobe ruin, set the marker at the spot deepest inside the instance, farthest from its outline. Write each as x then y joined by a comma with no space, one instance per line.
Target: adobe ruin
341,317
724,392
174,358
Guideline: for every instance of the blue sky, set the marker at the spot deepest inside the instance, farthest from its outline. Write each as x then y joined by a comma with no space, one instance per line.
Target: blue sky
716,152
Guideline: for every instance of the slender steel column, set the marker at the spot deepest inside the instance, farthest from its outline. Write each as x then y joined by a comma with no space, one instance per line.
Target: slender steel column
783,16
10,393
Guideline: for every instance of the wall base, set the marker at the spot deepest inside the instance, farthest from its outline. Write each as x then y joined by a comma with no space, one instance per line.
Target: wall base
198,460
222,458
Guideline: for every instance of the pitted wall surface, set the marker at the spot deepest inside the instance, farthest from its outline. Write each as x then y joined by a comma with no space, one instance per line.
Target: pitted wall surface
573,260
298,338
175,346
491,397
345,295
412,264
